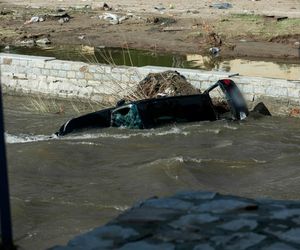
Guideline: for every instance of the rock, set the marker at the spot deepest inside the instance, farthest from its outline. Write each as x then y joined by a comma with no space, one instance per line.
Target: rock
43,41
203,247
236,225
222,206
113,232
178,236
146,215
143,245
89,242
285,213
238,241
296,220
279,246
292,235
192,220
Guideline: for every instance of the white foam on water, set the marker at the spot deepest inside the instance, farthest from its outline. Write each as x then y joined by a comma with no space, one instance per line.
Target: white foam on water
214,131
230,127
171,160
25,138
224,143
85,143
145,133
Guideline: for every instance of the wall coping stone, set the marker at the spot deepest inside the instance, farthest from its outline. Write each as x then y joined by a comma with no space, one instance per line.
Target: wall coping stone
26,57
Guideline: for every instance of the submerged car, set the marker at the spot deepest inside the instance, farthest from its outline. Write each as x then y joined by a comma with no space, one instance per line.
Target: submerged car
151,113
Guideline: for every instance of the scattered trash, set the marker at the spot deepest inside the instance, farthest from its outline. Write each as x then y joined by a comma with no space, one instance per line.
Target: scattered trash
215,51
277,18
82,7
28,43
112,18
115,19
87,49
160,8
195,12
62,17
7,47
81,37
233,75
106,7
35,19
123,18
220,6
6,12
161,20
175,29
297,45
63,20
43,41
61,10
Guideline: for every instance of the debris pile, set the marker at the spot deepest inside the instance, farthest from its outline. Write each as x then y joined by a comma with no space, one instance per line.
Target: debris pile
167,83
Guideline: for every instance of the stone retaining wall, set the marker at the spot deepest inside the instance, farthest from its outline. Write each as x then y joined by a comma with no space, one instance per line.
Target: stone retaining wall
68,79
198,221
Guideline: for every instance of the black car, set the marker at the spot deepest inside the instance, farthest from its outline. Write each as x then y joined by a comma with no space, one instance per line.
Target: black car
151,113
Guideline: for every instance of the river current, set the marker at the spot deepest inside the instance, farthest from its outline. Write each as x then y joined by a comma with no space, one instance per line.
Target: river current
61,187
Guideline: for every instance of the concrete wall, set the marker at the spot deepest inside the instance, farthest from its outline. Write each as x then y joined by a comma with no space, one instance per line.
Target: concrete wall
22,74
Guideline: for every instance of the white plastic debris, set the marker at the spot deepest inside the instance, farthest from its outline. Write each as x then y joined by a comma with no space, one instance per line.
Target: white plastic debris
43,41
112,18
214,51
64,20
34,19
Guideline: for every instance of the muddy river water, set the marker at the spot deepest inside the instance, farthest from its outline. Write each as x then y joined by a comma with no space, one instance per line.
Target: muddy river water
61,187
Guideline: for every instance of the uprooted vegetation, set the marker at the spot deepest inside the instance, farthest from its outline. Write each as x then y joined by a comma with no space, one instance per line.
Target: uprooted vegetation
167,83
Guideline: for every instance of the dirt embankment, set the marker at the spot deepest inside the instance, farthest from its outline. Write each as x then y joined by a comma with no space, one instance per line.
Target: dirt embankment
262,28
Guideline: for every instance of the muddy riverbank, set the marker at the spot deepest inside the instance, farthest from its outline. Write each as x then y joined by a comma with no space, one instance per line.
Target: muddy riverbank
240,31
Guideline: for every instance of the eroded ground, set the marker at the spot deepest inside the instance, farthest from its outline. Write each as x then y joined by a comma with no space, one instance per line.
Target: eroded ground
177,26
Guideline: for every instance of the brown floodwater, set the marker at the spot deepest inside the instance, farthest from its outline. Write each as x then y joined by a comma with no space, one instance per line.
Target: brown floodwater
61,187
